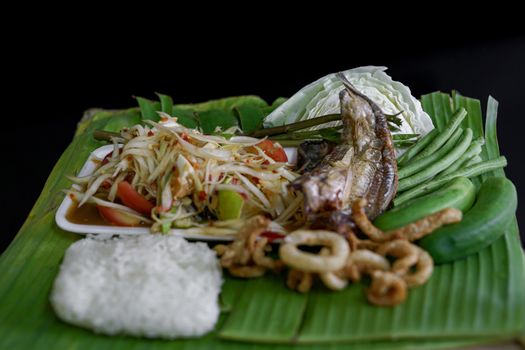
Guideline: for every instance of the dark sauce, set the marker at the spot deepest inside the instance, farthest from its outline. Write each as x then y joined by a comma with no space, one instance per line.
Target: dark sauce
88,214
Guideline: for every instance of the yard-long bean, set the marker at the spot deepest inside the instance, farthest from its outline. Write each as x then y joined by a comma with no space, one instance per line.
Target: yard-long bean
470,171
473,150
417,147
416,165
472,161
444,135
438,166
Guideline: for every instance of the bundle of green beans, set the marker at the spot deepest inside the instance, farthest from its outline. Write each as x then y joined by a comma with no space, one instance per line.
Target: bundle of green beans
441,156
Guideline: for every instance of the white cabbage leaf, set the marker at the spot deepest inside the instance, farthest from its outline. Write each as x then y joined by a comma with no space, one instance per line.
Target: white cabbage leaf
322,97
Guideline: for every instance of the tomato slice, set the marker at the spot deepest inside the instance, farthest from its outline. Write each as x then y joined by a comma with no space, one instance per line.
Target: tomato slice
272,236
133,199
117,217
273,150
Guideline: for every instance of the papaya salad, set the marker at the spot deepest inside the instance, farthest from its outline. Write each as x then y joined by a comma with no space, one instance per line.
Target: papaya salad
168,176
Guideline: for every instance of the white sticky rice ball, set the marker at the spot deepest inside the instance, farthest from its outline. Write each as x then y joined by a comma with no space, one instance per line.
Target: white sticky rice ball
148,285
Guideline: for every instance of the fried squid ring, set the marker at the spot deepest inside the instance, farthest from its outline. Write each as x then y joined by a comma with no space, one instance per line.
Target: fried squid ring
330,279
300,260
424,268
407,255
387,289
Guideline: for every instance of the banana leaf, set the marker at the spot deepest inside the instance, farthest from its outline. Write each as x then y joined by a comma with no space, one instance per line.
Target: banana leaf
477,300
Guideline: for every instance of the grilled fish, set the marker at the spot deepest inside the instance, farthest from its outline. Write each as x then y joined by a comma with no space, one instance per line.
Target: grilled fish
363,165
311,153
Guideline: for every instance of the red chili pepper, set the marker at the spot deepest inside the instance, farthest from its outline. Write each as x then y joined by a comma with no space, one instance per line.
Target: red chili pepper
129,177
106,158
106,184
202,195
161,209
272,236
150,133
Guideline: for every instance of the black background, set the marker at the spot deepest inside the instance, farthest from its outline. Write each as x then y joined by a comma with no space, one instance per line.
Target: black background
51,85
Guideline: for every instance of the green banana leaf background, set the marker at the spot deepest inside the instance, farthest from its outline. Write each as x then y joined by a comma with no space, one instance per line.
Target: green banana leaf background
480,299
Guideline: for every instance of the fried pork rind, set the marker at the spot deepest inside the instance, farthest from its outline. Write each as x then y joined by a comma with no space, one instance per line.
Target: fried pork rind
406,254
424,268
299,280
259,255
246,256
365,261
246,271
410,232
386,289
356,243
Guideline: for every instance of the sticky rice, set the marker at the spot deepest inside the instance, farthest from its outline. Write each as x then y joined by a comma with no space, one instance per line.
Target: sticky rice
150,285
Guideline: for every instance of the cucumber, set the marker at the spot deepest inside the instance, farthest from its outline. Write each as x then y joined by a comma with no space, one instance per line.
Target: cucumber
494,209
459,193
230,205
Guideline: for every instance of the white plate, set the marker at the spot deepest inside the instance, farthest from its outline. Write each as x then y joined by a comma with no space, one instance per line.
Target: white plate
89,167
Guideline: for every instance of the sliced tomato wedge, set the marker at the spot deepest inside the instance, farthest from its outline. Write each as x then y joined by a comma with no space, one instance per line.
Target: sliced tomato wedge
133,199
272,236
117,217
273,150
